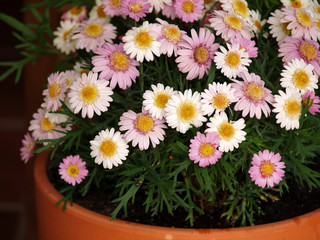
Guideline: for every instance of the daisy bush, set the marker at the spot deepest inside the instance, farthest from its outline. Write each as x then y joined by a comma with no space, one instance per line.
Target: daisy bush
189,104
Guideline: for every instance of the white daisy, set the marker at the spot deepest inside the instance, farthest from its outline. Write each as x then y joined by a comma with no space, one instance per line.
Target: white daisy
278,29
56,117
217,98
232,61
155,100
230,133
80,68
184,110
296,3
288,107
97,13
63,41
158,5
141,42
299,75
109,148
256,22
90,95
239,7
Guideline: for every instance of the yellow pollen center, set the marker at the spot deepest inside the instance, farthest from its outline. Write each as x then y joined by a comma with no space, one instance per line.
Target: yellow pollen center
119,61
220,101
69,81
46,125
201,55
240,8
54,90
30,146
266,169
89,94
226,131
73,170
161,99
257,24
76,10
93,30
308,50
233,22
293,108
135,8
115,3
284,27
108,148
318,24
187,111
296,3
304,19
300,79
317,9
143,40
232,59
172,33
67,34
144,123
206,149
254,92
100,11
188,6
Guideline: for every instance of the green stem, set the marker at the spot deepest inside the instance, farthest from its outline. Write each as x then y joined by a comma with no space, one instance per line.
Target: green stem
141,77
168,72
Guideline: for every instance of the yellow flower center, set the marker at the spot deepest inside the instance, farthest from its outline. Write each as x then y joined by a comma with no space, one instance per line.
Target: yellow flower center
144,123
240,8
296,3
220,101
46,125
308,50
143,39
233,22
30,146
108,148
317,9
93,30
232,59
119,61
161,99
54,90
73,170
67,34
284,27
318,24
206,149
89,94
300,79
115,3
187,111
100,11
266,169
76,10
304,18
69,81
254,92
135,8
258,24
172,33
201,55
226,131
188,6
293,108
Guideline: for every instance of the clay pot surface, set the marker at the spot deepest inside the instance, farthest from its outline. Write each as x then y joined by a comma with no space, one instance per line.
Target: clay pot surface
78,223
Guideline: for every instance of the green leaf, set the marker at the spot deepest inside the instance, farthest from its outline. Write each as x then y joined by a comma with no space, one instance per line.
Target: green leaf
16,24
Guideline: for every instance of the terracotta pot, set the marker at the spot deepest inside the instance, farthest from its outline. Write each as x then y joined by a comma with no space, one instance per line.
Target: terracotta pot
79,223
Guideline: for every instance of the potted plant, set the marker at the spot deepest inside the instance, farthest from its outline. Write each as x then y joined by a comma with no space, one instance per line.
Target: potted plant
202,110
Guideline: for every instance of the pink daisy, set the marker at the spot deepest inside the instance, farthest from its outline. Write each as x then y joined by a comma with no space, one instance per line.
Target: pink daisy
69,77
113,63
253,96
248,45
312,101
229,25
307,50
28,145
196,53
92,34
55,92
73,170
76,13
135,9
141,128
189,10
203,149
169,11
112,7
266,168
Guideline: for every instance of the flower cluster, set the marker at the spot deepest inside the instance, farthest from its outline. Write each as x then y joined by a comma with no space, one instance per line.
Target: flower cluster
186,97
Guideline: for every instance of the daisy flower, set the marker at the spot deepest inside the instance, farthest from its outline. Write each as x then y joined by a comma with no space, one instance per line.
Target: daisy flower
299,75
155,100
307,50
141,42
55,92
248,45
232,61
189,10
142,129
80,68
158,5
203,149
135,9
288,107
257,23
28,145
296,3
92,34
90,95
230,133
55,117
278,29
217,98
111,7
97,13
113,63
169,11
76,13
254,97
229,25
69,76
73,170
183,110
312,101
196,53
239,7
63,41
170,37
109,148
267,169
